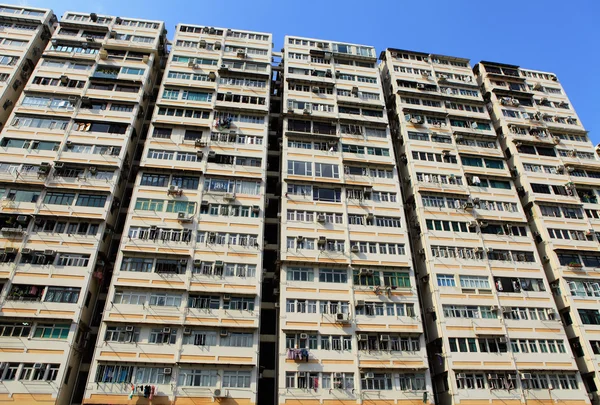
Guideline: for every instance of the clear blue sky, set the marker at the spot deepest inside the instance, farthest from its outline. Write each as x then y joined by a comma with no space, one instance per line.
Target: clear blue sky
553,35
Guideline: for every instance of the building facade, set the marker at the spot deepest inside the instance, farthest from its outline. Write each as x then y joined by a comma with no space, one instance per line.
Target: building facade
557,174
181,320
493,331
350,323
66,151
25,32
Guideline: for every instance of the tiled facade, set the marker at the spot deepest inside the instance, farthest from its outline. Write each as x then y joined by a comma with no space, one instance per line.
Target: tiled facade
557,175
210,221
493,329
350,321
24,33
183,308
66,153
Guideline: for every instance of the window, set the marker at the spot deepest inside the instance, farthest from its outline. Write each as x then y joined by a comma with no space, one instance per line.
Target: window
396,279
236,379
88,200
197,378
237,340
333,276
151,375
163,336
18,329
474,282
300,274
130,297
446,280
165,300
327,170
62,294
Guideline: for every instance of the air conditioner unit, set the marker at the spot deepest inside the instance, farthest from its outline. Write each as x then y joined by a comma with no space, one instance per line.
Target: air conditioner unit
370,216
461,376
322,240
360,303
22,218
550,312
24,251
370,375
219,263
59,165
166,330
506,309
226,298
342,317
38,366
525,376
321,218
503,339
49,252
354,249
315,89
384,338
430,310
224,333
129,328
494,308
167,371
182,215
197,262
187,331
338,375
229,197
467,206
304,336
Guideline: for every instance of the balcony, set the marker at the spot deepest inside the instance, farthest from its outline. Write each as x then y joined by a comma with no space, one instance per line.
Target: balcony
30,305
410,360
143,313
113,95
74,210
106,159
219,355
222,318
119,393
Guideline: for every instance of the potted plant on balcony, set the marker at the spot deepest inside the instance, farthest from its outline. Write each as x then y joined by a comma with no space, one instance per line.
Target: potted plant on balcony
575,265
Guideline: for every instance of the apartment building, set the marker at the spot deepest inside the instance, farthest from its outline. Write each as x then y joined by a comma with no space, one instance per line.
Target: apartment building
181,320
350,323
493,331
557,174
24,33
65,154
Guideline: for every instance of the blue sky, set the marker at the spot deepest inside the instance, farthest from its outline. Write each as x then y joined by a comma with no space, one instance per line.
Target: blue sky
552,35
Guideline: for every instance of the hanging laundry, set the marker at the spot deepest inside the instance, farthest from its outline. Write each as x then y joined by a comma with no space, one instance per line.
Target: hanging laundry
132,391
